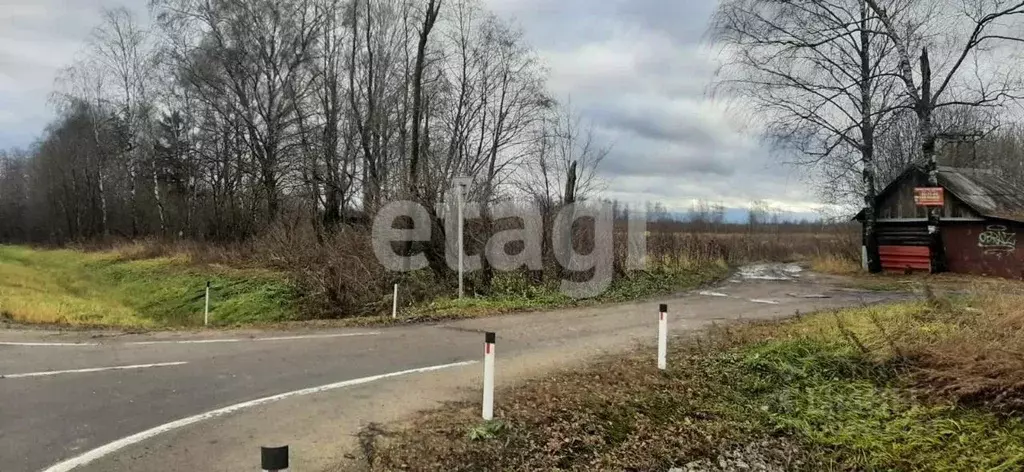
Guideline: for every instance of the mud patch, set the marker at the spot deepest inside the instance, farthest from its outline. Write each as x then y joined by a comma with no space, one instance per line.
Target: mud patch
768,271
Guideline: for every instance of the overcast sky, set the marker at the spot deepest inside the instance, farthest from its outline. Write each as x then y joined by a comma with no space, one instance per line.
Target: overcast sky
635,68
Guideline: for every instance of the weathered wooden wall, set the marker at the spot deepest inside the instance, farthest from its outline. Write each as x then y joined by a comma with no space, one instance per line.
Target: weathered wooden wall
900,203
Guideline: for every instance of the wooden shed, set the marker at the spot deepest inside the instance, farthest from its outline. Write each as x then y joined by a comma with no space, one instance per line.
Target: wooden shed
982,212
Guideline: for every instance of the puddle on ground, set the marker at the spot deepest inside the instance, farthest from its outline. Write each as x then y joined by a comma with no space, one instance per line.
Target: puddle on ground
768,271
809,295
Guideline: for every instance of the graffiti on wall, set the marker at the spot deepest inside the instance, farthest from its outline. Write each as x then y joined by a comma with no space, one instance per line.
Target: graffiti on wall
997,240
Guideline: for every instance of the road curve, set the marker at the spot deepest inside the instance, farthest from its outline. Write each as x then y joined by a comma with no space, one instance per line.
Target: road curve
200,401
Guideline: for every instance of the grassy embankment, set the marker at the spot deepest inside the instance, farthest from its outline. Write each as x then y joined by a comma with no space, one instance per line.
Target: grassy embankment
514,292
127,288
111,289
924,385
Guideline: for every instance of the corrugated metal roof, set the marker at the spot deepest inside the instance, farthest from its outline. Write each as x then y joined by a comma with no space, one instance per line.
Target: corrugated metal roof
985,191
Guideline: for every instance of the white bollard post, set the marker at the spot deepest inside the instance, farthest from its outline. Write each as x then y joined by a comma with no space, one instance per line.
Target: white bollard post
662,336
206,312
274,459
488,412
394,304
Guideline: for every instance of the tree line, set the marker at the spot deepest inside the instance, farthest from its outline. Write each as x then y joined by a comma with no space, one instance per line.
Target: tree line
861,89
213,119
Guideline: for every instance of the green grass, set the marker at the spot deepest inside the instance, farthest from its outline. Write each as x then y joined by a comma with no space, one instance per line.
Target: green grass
514,292
115,289
825,392
852,412
105,289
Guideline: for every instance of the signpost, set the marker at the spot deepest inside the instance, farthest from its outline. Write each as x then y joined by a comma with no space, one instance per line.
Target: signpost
461,184
929,196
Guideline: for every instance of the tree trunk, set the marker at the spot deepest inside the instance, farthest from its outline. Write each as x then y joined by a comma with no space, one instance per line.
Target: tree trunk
417,96
159,202
569,199
430,17
928,138
132,191
870,236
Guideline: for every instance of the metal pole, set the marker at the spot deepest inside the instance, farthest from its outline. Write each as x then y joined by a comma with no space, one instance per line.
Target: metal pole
206,312
394,303
662,336
461,242
488,412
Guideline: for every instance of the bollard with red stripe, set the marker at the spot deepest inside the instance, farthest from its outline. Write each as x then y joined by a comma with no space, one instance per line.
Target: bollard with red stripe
662,336
488,412
274,459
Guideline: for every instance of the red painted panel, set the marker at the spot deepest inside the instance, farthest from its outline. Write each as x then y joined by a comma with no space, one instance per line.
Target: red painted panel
984,248
903,258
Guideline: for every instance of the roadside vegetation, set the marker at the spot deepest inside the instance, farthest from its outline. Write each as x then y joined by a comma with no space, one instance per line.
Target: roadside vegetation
114,288
290,275
919,385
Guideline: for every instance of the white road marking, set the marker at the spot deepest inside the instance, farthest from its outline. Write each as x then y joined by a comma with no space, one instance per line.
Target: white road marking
809,296
115,446
766,302
4,343
712,294
187,341
194,341
317,336
238,340
86,371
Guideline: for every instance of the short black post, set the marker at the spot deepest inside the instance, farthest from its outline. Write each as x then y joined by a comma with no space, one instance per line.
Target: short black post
274,459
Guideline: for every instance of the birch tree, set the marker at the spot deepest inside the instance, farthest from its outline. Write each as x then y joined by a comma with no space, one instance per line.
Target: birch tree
973,72
821,78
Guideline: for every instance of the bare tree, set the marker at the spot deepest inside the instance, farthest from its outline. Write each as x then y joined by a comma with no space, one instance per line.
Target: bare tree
975,28
123,52
247,59
564,162
821,78
562,168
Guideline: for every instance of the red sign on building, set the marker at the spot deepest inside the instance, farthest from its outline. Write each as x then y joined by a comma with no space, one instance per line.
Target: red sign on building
928,196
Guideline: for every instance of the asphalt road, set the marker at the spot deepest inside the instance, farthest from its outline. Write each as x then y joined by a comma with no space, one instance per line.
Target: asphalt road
63,408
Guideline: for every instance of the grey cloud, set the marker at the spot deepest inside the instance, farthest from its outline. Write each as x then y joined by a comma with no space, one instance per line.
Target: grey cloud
661,124
678,191
654,164
684,20
37,39
639,70
560,25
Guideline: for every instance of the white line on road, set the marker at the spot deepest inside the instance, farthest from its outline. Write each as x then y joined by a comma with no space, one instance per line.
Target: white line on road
187,341
5,343
766,302
115,446
238,340
316,336
86,371
711,294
